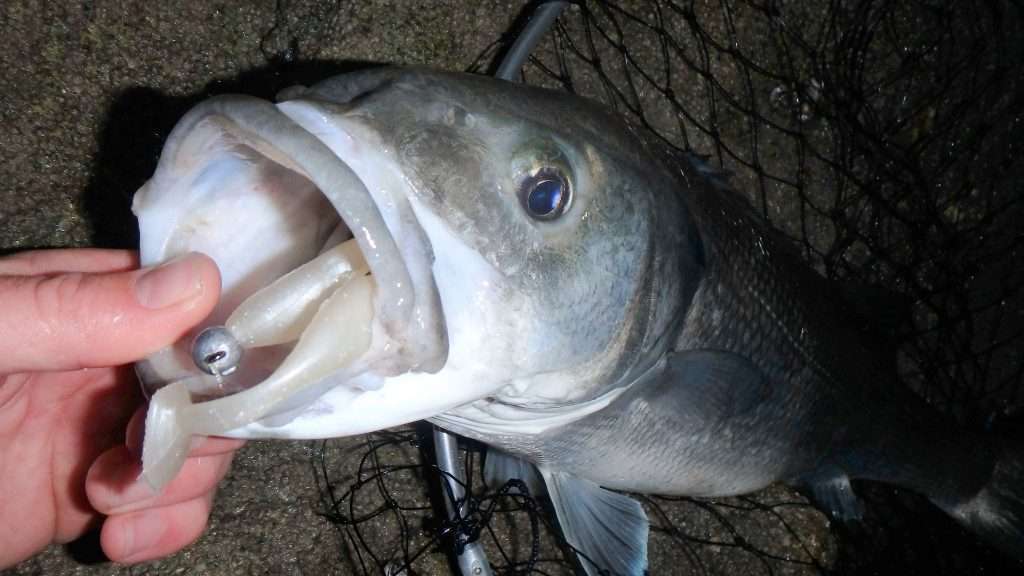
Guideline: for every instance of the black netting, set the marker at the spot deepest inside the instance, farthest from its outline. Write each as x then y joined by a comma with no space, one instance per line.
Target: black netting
885,139
389,510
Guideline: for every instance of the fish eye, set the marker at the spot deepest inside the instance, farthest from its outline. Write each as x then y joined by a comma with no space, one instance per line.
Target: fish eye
546,195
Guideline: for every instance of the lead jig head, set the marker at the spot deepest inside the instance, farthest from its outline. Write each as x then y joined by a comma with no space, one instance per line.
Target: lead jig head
216,351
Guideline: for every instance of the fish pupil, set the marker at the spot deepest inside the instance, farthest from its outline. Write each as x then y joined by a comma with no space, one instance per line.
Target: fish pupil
545,198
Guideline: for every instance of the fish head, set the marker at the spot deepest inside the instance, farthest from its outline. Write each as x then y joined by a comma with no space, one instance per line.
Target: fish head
524,248
556,237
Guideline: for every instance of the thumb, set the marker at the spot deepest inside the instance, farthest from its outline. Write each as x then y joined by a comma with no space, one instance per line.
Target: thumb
75,320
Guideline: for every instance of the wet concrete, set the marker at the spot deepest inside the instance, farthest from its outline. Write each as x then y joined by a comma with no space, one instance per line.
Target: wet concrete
89,92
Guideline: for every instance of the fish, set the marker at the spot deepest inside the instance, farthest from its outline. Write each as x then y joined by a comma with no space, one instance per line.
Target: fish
526,268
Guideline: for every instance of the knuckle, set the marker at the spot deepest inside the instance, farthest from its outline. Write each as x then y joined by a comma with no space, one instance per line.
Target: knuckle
58,300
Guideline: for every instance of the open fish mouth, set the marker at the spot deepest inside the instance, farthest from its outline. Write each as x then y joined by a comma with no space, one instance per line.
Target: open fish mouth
326,274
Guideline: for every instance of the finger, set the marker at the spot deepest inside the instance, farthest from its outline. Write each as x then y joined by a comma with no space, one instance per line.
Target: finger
60,260
76,320
155,532
114,487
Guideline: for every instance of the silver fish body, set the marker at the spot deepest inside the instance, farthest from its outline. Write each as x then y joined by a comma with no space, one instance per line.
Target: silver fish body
576,294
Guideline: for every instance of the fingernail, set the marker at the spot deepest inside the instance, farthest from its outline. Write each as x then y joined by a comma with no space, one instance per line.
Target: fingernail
140,532
170,283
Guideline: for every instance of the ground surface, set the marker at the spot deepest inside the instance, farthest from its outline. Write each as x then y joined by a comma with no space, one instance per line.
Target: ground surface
91,89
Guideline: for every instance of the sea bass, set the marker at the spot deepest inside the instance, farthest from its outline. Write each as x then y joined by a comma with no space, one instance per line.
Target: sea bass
525,268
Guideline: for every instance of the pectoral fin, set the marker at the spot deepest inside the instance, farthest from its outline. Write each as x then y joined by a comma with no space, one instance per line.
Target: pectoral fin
717,383
608,530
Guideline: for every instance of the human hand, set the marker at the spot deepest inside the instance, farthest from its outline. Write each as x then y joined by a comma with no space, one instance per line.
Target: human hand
70,322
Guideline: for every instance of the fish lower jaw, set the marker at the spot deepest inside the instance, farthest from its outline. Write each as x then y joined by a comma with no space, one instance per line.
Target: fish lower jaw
301,312
330,335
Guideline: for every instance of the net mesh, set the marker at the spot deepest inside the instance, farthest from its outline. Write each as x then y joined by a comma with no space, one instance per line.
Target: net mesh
389,511
884,139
